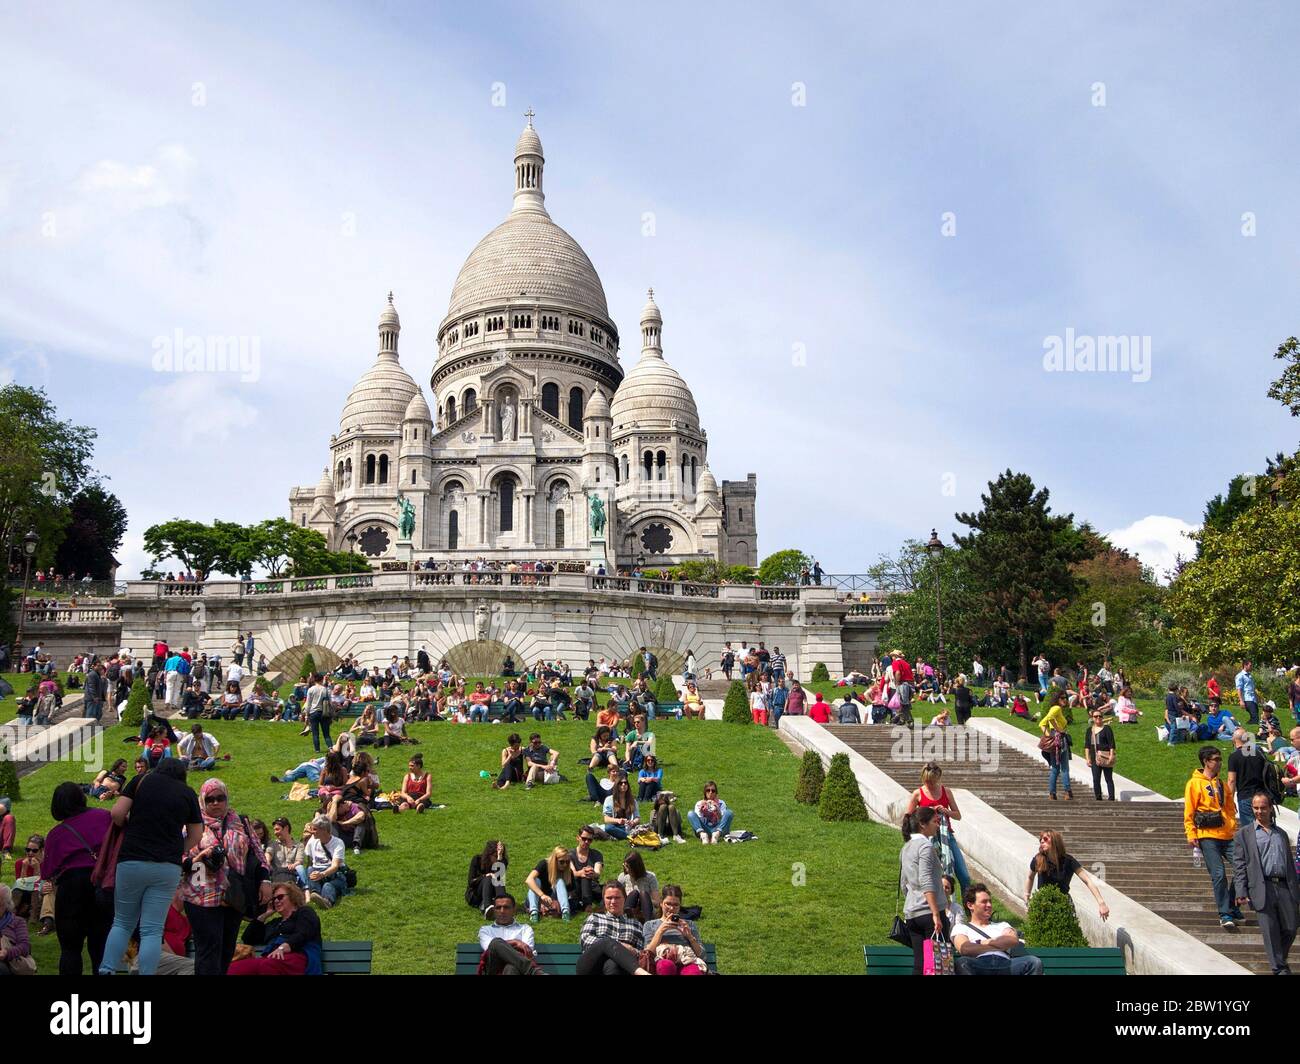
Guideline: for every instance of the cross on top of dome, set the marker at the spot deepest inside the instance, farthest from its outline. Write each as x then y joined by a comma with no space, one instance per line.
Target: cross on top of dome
529,115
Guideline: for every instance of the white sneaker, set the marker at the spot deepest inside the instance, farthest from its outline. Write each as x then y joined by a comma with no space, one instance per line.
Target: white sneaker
704,837
678,838
356,850
717,837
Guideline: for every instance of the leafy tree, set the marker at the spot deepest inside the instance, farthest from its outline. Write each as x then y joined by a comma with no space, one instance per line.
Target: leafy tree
1286,389
97,522
900,573
44,462
200,548
698,572
735,710
1020,558
783,567
811,778
1051,922
913,623
1222,510
738,574
1241,597
840,798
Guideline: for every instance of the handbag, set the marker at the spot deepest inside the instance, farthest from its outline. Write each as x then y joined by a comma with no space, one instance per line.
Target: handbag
17,965
898,931
1106,758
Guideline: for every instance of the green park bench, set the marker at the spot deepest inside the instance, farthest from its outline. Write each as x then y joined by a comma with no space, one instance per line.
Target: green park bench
336,958
665,710
559,958
1109,960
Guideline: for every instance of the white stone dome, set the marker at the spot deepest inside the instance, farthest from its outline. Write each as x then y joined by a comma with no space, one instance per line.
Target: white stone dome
707,485
380,398
528,258
417,409
325,489
597,405
653,393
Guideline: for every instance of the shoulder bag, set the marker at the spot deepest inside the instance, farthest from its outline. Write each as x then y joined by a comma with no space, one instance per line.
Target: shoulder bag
898,931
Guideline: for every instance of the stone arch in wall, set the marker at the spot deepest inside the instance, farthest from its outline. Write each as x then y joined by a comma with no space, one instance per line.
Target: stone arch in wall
477,657
289,662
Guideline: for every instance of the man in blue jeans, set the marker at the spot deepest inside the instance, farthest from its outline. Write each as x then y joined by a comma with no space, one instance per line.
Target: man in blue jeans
1246,689
1210,821
323,874
983,947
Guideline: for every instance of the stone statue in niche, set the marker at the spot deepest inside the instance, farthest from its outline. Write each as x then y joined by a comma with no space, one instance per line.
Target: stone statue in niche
507,419
656,633
481,616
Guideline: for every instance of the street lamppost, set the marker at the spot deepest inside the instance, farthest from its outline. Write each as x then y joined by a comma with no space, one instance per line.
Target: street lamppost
935,548
30,542
352,542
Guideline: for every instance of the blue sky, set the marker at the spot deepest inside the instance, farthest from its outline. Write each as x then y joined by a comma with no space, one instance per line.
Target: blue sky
223,170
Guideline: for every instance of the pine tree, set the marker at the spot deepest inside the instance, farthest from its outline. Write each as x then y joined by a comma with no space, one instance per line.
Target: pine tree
735,710
840,798
308,667
811,778
666,690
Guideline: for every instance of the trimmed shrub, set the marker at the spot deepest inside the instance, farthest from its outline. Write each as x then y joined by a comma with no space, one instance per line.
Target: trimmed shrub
735,710
840,798
820,673
308,667
1051,921
9,787
666,690
638,664
811,777
263,686
136,703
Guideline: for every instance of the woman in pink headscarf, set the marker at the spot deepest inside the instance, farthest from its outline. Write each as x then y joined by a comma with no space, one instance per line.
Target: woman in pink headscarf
228,850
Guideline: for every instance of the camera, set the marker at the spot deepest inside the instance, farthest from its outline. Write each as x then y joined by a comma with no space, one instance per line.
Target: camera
215,858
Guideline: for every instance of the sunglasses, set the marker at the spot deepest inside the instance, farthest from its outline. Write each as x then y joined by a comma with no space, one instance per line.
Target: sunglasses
33,849
214,799
584,838
278,897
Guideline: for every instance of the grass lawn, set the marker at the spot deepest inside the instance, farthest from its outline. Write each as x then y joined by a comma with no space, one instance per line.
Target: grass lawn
1140,756
20,681
803,898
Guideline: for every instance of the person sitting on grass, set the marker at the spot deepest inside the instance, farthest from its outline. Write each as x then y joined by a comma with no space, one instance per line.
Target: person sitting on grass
1221,721
110,781
512,763
231,701
983,945
672,940
611,941
548,885
507,945
199,749
639,742
294,940
622,816
322,873
642,887
650,779
487,876
512,704
157,746
604,749
365,729
710,819
542,763
584,697
561,700
667,819
588,866
394,730
416,786
479,702
285,853
693,702
607,716
333,777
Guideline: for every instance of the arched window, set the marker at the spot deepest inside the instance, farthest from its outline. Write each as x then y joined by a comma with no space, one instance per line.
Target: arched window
575,408
338,480
551,399
347,473
453,530
648,460
451,409
693,471
413,476
559,528
661,465
370,469
627,468
506,491
383,469
470,403
683,471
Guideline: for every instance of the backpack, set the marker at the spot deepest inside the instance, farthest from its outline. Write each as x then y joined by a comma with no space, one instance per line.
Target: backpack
1272,781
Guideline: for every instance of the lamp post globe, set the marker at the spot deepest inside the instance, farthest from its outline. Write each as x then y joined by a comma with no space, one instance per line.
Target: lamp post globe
935,549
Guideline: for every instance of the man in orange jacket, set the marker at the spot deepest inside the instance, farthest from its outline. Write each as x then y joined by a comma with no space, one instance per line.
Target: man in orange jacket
1210,820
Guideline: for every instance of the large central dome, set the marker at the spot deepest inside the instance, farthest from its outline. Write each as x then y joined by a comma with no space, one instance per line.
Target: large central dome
528,259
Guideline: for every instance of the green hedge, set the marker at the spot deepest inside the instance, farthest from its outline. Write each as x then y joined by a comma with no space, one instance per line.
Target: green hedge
1051,921
735,710
820,673
811,779
665,689
136,702
9,787
840,797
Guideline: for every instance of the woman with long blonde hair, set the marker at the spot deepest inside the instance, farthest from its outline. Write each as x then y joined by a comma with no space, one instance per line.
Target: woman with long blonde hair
548,886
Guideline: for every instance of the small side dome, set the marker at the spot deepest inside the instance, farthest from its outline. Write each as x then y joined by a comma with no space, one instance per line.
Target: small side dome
597,405
325,489
418,410
707,485
389,315
650,312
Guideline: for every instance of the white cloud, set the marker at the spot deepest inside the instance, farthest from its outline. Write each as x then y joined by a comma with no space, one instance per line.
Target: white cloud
1157,541
199,406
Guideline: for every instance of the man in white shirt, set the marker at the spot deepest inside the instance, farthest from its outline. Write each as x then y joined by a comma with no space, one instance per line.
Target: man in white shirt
982,945
322,873
199,748
235,672
495,938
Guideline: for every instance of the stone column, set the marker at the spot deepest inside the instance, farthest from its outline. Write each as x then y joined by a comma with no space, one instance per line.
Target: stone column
528,498
482,517
489,419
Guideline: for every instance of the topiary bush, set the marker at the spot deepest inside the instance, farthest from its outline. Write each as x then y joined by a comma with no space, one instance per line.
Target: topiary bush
666,690
1051,921
840,798
136,703
263,686
820,673
9,787
811,777
638,664
308,667
735,710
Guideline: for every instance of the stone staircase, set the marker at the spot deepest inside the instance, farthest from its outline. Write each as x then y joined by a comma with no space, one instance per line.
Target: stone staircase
1139,848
